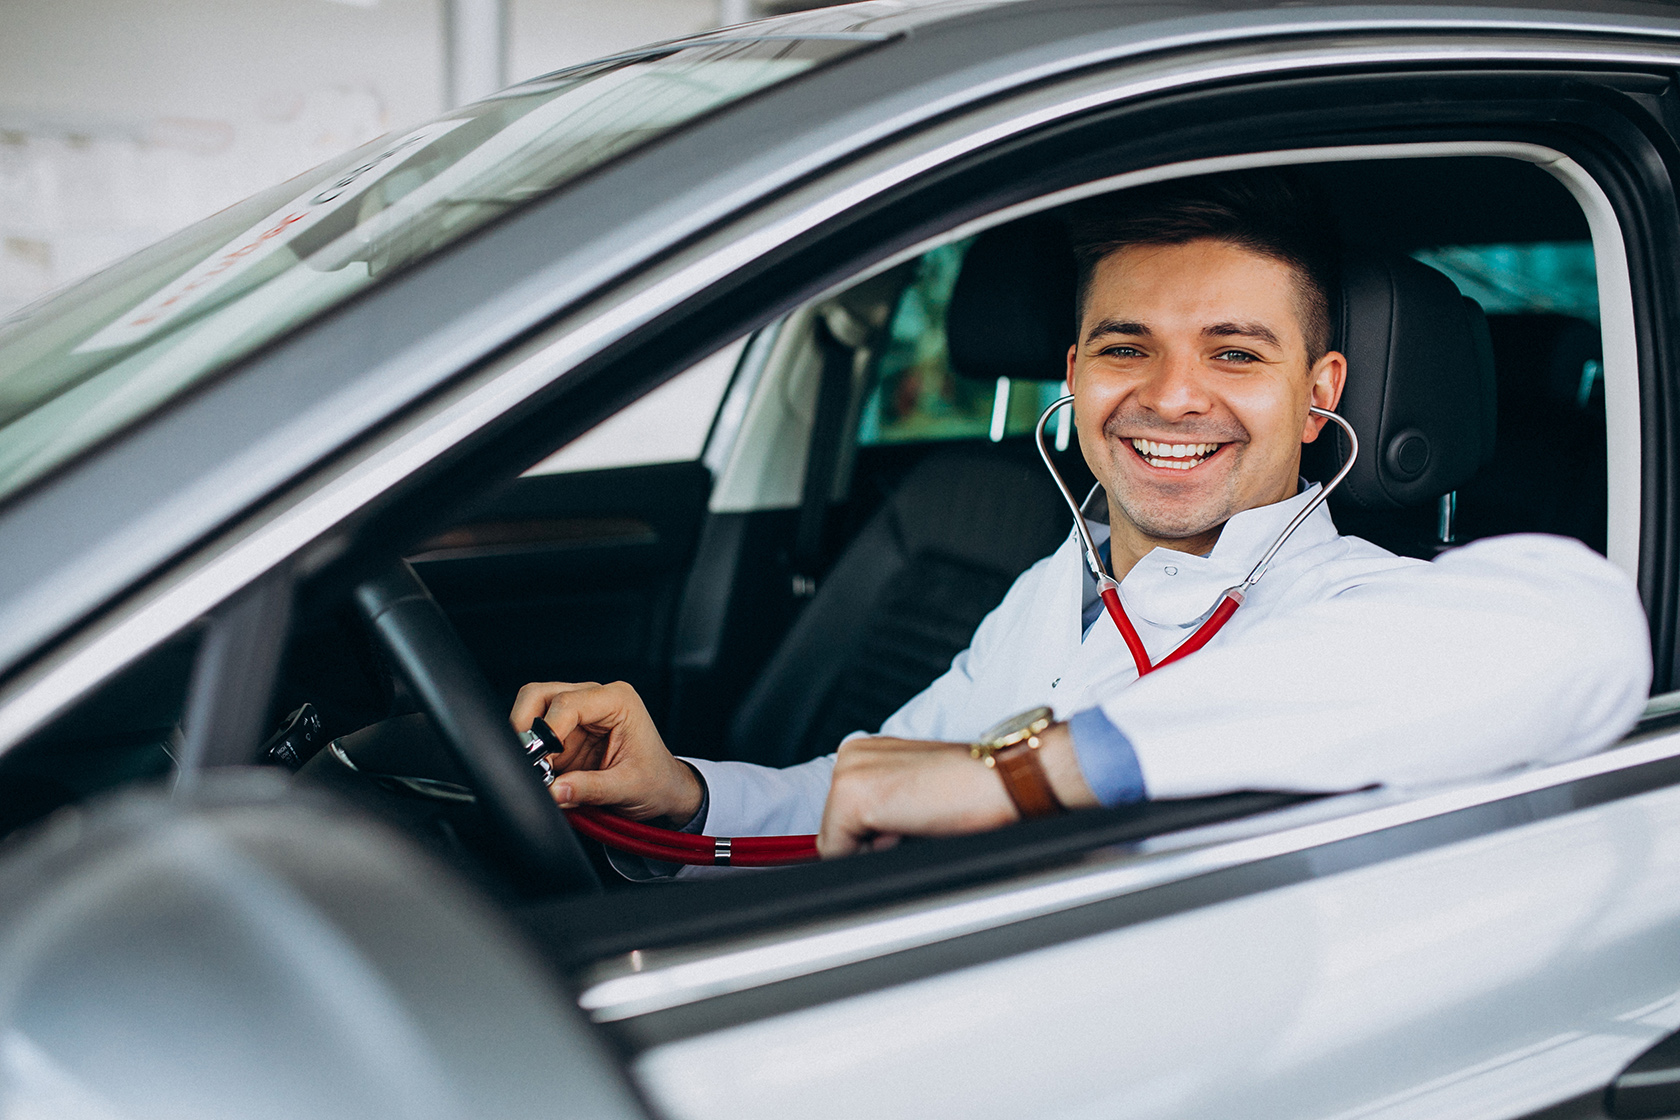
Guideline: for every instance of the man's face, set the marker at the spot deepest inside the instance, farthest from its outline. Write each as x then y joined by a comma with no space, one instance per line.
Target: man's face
1191,385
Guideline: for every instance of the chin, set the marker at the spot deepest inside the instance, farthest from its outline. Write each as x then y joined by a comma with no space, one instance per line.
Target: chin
1175,524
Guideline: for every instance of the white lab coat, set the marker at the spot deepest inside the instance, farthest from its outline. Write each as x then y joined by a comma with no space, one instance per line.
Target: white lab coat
1347,666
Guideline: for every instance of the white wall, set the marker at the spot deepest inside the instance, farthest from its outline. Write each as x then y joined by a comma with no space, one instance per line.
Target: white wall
121,121
545,35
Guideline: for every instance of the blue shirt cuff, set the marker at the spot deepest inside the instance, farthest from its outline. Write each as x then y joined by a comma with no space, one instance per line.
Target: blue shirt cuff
641,869
1107,759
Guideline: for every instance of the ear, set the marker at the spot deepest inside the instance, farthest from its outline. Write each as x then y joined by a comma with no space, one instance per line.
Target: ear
1328,377
1073,352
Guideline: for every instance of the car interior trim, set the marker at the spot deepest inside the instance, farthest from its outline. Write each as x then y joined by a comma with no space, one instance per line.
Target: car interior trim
652,980
764,465
310,511
731,414
1660,707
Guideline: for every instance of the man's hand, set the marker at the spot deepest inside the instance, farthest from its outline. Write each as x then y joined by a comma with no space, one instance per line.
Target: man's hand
613,755
886,788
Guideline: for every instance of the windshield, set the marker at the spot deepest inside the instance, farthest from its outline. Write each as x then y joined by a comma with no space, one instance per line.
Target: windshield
78,366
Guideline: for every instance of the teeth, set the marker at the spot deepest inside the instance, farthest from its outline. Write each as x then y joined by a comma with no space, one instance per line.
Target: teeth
1177,456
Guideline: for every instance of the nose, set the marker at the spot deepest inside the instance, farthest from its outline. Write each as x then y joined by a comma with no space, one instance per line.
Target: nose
1174,389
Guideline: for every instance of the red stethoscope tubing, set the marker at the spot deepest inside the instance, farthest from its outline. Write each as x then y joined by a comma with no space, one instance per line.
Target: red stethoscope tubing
1222,613
1233,597
682,847
671,846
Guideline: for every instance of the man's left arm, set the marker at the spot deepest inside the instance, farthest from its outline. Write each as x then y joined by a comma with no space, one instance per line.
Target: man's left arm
1507,653
886,788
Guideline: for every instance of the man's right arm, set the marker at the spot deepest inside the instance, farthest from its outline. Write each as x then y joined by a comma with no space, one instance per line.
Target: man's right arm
616,759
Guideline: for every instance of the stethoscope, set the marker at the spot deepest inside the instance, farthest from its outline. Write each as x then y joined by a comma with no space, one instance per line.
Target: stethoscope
767,851
1232,597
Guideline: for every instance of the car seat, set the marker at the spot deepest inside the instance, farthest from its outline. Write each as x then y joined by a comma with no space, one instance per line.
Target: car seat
1548,470
906,595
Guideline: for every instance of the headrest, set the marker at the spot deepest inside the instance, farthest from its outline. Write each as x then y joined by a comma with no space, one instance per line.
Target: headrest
1420,388
1420,385
1011,312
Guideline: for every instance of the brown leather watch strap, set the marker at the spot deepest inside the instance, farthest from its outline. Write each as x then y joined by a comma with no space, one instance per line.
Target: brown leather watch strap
1024,778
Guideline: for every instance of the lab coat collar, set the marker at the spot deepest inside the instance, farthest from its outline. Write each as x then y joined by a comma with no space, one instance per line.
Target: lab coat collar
1177,589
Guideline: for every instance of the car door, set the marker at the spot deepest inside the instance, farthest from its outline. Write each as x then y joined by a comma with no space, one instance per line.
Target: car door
1491,951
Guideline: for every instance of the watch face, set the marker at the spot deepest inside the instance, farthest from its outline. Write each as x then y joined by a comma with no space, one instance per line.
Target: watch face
1015,724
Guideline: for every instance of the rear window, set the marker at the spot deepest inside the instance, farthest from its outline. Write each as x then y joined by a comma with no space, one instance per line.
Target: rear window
1542,277
918,397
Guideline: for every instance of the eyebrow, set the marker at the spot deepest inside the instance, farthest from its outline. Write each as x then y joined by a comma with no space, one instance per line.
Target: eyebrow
1133,328
1117,326
1243,330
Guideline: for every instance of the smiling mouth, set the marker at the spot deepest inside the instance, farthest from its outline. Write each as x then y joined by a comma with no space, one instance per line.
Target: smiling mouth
1174,456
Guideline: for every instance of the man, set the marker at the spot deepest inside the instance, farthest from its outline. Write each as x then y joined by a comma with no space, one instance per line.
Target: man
1203,341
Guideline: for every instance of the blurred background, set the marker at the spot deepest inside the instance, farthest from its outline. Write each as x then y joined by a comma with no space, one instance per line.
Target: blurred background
121,121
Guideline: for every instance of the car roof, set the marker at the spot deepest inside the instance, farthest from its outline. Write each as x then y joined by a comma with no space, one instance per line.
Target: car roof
894,16
125,513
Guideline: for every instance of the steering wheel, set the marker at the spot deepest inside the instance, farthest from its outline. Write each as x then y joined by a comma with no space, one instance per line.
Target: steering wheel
430,655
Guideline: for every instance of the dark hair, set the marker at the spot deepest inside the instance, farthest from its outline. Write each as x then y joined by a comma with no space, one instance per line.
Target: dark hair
1270,212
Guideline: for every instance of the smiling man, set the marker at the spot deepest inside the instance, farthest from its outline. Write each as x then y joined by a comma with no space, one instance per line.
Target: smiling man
1204,340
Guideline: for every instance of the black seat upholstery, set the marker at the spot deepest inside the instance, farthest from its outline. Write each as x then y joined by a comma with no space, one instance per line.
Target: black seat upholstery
906,595
902,600
1548,468
1420,386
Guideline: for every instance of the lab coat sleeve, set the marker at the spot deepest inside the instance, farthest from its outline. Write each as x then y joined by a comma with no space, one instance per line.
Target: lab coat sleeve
944,710
1507,653
749,800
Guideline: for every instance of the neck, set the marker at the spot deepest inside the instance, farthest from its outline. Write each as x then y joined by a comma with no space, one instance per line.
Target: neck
1128,544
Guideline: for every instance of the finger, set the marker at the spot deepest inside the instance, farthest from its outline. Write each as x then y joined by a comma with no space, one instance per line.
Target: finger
534,699
587,757
577,743
834,842
841,833
531,702
586,787
592,707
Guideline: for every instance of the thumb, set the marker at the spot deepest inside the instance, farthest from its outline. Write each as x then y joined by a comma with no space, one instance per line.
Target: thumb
586,787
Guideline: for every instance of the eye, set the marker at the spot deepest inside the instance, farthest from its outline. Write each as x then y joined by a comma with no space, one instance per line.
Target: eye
1120,350
1235,356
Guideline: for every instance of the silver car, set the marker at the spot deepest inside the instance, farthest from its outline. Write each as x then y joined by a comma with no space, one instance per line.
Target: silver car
686,368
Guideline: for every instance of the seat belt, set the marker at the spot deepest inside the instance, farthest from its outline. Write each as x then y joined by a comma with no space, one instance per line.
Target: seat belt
822,460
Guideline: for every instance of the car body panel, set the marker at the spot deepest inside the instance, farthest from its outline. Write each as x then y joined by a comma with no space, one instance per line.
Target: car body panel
1487,977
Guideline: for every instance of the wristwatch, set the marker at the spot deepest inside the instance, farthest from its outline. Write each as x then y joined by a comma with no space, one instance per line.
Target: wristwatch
1011,748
